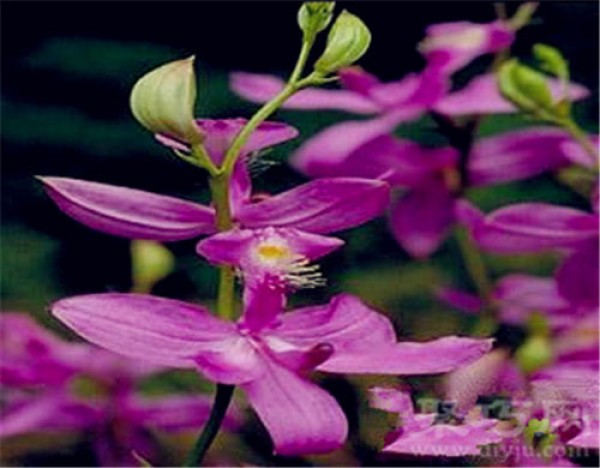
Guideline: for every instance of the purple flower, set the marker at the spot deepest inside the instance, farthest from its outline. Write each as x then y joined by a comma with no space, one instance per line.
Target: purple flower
517,296
423,434
266,353
39,374
319,206
481,96
535,227
429,174
451,46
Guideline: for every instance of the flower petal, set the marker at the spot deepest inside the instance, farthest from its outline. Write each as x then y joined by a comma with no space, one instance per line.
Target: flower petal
481,96
128,212
261,88
344,322
422,217
320,155
391,400
238,246
432,357
517,155
301,418
166,331
320,206
177,412
577,277
575,153
461,300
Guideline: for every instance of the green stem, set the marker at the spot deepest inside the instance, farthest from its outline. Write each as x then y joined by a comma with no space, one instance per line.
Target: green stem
293,85
474,265
217,414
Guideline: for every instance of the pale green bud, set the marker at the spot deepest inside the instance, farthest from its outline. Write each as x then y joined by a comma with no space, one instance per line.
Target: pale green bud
314,17
348,40
551,61
538,435
534,354
526,88
150,262
163,100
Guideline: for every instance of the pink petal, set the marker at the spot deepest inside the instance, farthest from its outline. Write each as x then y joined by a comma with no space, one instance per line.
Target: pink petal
520,295
575,153
261,88
577,277
445,440
329,149
451,46
128,212
555,226
239,246
589,437
320,206
162,330
461,300
517,155
481,96
301,418
358,80
441,355
176,412
422,217
344,322
391,400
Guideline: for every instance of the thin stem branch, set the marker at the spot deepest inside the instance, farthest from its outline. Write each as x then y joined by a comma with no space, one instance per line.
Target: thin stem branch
217,415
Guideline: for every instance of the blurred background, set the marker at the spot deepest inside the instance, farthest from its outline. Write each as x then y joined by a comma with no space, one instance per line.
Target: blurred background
67,69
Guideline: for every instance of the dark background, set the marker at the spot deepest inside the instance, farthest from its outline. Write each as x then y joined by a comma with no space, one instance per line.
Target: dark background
68,67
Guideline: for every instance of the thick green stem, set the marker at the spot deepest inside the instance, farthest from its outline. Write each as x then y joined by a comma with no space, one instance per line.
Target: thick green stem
217,414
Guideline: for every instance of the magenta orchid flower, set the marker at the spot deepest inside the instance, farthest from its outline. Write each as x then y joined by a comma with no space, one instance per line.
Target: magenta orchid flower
423,434
318,206
39,372
429,174
517,296
266,353
451,46
535,227
481,96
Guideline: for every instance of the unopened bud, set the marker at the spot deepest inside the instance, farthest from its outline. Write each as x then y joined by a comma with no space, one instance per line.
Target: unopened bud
163,101
551,60
150,263
526,88
348,40
314,17
534,354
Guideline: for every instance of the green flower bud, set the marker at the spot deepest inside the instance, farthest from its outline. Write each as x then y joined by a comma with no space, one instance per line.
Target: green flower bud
314,17
526,88
150,262
551,61
163,100
348,40
534,354
538,435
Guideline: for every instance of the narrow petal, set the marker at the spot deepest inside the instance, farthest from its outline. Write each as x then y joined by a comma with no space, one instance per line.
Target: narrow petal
577,277
577,154
320,206
166,331
320,155
177,412
358,80
589,437
301,418
261,88
422,217
128,212
461,300
553,225
235,246
517,155
445,440
344,322
391,400
481,96
433,357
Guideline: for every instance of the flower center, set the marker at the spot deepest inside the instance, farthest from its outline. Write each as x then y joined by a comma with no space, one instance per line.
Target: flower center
272,252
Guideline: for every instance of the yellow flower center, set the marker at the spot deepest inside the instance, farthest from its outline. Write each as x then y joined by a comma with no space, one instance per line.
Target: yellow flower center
273,252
